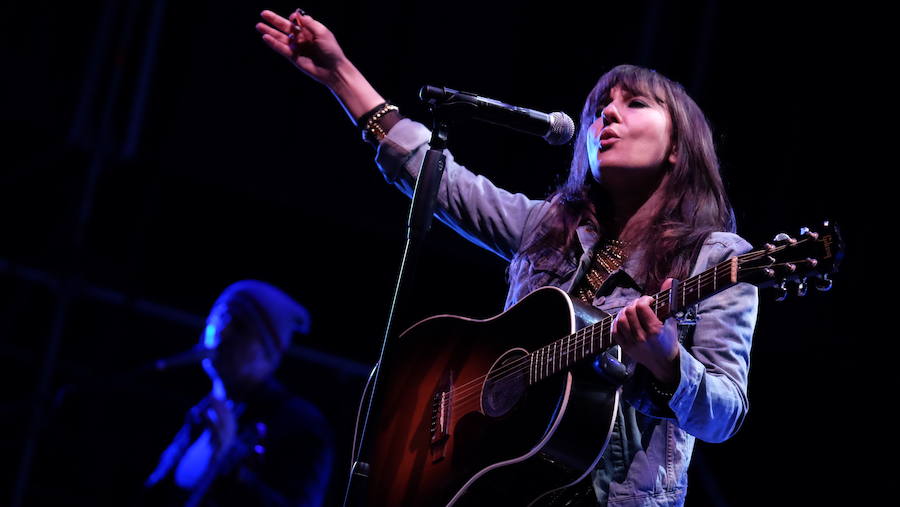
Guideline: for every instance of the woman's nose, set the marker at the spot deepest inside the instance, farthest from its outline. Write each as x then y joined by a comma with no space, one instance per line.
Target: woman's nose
609,114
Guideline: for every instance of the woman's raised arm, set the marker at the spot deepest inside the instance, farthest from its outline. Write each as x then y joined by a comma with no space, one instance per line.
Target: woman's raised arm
312,48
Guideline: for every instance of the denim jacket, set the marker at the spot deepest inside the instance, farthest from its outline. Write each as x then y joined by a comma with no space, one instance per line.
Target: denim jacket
646,461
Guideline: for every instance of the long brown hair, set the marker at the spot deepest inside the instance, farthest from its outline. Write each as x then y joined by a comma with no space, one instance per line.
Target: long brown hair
690,201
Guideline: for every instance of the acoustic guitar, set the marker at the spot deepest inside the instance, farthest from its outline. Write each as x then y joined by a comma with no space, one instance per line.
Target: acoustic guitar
472,411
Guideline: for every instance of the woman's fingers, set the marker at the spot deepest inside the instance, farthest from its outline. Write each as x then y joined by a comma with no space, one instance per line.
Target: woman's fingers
308,23
637,322
646,315
635,325
288,33
621,328
275,34
281,48
277,21
295,19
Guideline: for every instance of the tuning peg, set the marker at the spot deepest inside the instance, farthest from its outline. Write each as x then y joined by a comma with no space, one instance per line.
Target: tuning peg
825,284
783,292
801,288
785,238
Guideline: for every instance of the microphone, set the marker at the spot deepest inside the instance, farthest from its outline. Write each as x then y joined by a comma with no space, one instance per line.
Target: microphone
186,358
556,128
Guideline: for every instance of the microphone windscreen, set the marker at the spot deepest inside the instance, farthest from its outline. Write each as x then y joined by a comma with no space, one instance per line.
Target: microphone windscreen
562,129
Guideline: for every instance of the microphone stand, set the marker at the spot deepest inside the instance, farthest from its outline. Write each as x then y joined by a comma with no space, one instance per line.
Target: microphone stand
421,213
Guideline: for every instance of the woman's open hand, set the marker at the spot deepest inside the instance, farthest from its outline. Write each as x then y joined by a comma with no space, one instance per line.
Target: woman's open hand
305,42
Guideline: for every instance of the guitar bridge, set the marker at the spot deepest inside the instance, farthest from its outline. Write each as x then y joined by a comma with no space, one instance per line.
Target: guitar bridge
441,408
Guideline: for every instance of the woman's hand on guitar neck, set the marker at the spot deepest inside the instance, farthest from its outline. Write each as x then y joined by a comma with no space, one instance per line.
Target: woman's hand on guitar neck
647,340
312,48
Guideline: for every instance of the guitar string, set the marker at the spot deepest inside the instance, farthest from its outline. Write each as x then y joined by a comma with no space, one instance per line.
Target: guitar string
601,326
517,366
460,400
574,342
564,355
565,349
508,371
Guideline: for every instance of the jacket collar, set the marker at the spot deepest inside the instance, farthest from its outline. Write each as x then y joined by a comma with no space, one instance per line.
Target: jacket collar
624,276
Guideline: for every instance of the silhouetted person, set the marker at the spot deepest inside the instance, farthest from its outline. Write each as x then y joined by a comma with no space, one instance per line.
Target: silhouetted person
250,441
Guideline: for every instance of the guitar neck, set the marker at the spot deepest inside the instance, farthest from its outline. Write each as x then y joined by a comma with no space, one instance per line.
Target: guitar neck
590,341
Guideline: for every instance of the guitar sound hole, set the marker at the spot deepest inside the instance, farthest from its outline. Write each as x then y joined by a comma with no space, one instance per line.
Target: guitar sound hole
505,383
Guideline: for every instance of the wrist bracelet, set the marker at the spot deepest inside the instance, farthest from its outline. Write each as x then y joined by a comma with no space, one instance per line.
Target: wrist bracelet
361,121
372,130
660,391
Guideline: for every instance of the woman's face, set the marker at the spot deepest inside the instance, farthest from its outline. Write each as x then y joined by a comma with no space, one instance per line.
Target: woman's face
630,140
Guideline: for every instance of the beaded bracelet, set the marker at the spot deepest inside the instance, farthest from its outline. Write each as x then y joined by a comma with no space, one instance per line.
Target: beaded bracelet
658,390
372,130
361,121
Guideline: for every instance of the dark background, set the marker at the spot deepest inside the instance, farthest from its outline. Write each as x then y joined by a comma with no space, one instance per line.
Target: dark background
158,151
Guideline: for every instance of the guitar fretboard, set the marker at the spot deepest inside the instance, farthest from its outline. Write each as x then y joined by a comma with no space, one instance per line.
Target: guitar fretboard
592,340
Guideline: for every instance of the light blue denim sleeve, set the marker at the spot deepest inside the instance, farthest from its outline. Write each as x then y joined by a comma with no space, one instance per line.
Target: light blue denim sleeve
711,399
470,204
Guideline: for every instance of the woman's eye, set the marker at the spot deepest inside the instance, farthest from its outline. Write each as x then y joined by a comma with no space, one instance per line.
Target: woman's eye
638,103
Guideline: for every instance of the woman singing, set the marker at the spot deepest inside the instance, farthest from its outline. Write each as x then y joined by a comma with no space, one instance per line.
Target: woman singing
643,204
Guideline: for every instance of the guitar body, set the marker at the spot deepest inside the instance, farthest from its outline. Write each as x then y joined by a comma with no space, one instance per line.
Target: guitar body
458,423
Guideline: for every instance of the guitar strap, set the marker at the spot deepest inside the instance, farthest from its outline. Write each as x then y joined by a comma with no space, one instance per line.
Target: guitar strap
608,257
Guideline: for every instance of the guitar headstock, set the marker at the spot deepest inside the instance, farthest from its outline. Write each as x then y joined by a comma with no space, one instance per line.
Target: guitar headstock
793,263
